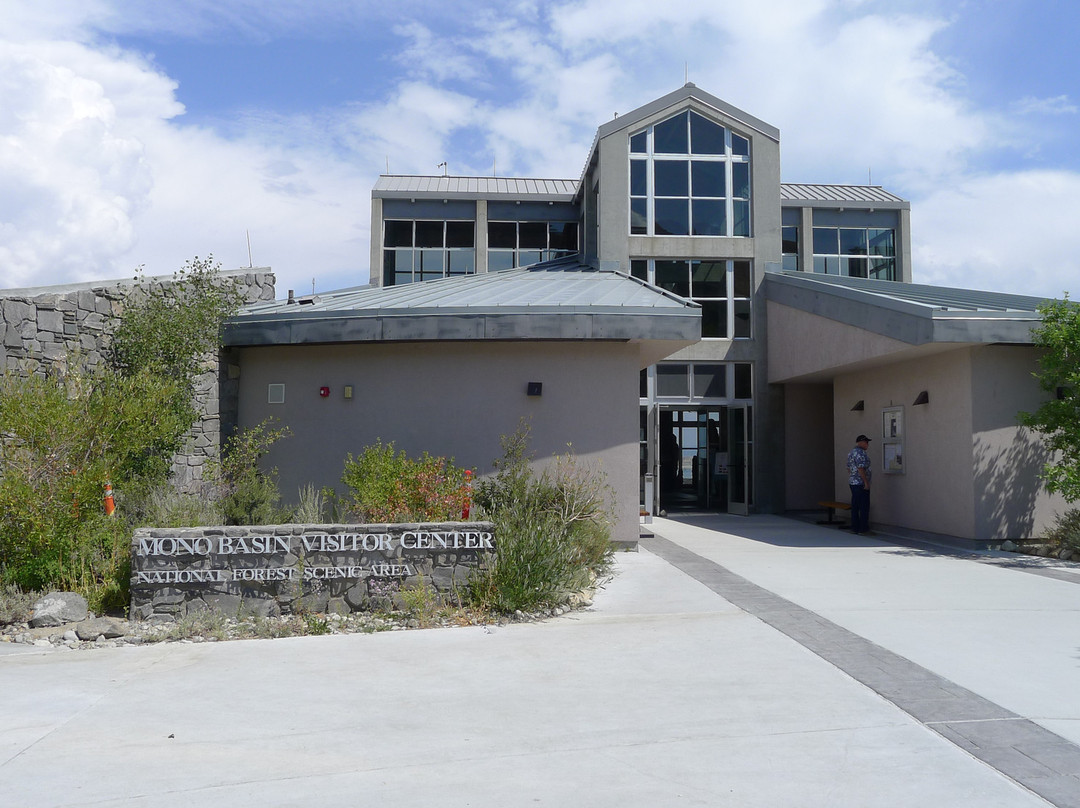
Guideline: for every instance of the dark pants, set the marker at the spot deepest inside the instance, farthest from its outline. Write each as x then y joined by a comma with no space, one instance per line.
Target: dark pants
860,509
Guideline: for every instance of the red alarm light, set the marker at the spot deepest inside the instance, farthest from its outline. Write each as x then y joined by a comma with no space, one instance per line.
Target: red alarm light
324,392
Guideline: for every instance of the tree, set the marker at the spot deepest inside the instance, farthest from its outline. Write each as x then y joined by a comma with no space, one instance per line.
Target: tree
1058,419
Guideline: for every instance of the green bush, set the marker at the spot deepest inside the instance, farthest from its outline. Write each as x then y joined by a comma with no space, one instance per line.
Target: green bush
1066,530
388,486
15,604
553,532
246,493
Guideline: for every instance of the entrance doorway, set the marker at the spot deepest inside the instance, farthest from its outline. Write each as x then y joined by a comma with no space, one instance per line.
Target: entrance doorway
704,458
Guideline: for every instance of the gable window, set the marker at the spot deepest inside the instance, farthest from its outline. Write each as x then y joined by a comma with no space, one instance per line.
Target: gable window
856,252
520,244
689,177
419,250
721,288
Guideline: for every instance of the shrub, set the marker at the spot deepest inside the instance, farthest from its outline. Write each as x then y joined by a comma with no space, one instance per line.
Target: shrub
1066,530
553,532
246,493
388,486
15,604
311,508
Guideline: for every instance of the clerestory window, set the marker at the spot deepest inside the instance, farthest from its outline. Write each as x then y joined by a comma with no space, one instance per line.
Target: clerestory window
857,252
689,177
418,250
722,289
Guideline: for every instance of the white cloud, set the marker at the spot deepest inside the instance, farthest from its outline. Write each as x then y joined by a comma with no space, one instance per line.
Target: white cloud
1007,232
1058,105
99,172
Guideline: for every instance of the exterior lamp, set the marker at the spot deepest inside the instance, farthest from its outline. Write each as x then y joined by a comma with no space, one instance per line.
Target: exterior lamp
922,398
860,405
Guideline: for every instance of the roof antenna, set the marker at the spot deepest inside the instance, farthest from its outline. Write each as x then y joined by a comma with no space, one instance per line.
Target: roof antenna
869,175
388,164
442,165
312,286
494,173
248,233
686,72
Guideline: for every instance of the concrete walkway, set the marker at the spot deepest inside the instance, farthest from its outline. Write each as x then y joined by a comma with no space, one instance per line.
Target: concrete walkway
739,662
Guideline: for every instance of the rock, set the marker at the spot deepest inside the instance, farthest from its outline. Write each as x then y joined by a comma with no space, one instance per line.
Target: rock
57,608
105,627
70,635
1008,546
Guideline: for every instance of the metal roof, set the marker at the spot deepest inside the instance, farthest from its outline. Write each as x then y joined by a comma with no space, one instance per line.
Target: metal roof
560,299
435,187
913,313
832,194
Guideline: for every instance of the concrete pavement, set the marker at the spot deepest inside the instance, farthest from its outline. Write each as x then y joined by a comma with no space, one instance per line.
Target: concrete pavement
664,693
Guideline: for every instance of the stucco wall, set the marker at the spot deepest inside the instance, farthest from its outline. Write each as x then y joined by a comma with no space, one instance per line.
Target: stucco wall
1010,500
449,399
808,448
936,492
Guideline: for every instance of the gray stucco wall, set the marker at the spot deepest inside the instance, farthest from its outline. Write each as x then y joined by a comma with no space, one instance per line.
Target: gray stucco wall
809,460
1010,500
449,399
49,326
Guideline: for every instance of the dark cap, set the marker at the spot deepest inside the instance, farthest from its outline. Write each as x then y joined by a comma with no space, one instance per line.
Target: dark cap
862,438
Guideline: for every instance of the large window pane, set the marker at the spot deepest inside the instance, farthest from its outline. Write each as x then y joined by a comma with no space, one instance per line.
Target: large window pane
670,178
740,145
709,215
709,279
532,235
710,381
672,380
639,216
853,267
881,242
740,271
639,142
527,258
502,235
826,241
789,239
742,319
714,318
740,180
674,276
743,388
672,217
707,178
852,241
883,269
740,225
429,234
462,262
460,234
500,259
563,236
432,263
790,263
669,137
639,178
640,269
397,233
706,137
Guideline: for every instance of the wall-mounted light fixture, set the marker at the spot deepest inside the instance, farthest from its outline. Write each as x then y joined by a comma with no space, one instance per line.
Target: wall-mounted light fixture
534,388
860,405
922,398
348,392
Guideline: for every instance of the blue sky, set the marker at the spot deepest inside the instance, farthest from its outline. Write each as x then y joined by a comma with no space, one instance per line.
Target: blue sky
144,132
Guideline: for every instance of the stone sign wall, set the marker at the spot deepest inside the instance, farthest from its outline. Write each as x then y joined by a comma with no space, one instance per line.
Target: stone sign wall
274,569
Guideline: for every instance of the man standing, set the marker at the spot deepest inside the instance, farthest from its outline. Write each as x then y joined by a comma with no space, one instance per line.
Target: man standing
858,466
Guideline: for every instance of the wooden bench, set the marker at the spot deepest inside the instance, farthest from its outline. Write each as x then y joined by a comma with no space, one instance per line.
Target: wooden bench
830,509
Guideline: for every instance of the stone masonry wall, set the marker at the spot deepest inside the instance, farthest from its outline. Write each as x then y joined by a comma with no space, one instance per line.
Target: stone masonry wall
269,570
40,328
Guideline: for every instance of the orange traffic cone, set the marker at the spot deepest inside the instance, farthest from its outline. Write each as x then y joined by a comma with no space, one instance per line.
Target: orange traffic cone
110,504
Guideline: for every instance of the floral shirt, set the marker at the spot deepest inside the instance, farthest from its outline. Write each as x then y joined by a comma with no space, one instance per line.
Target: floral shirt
858,458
